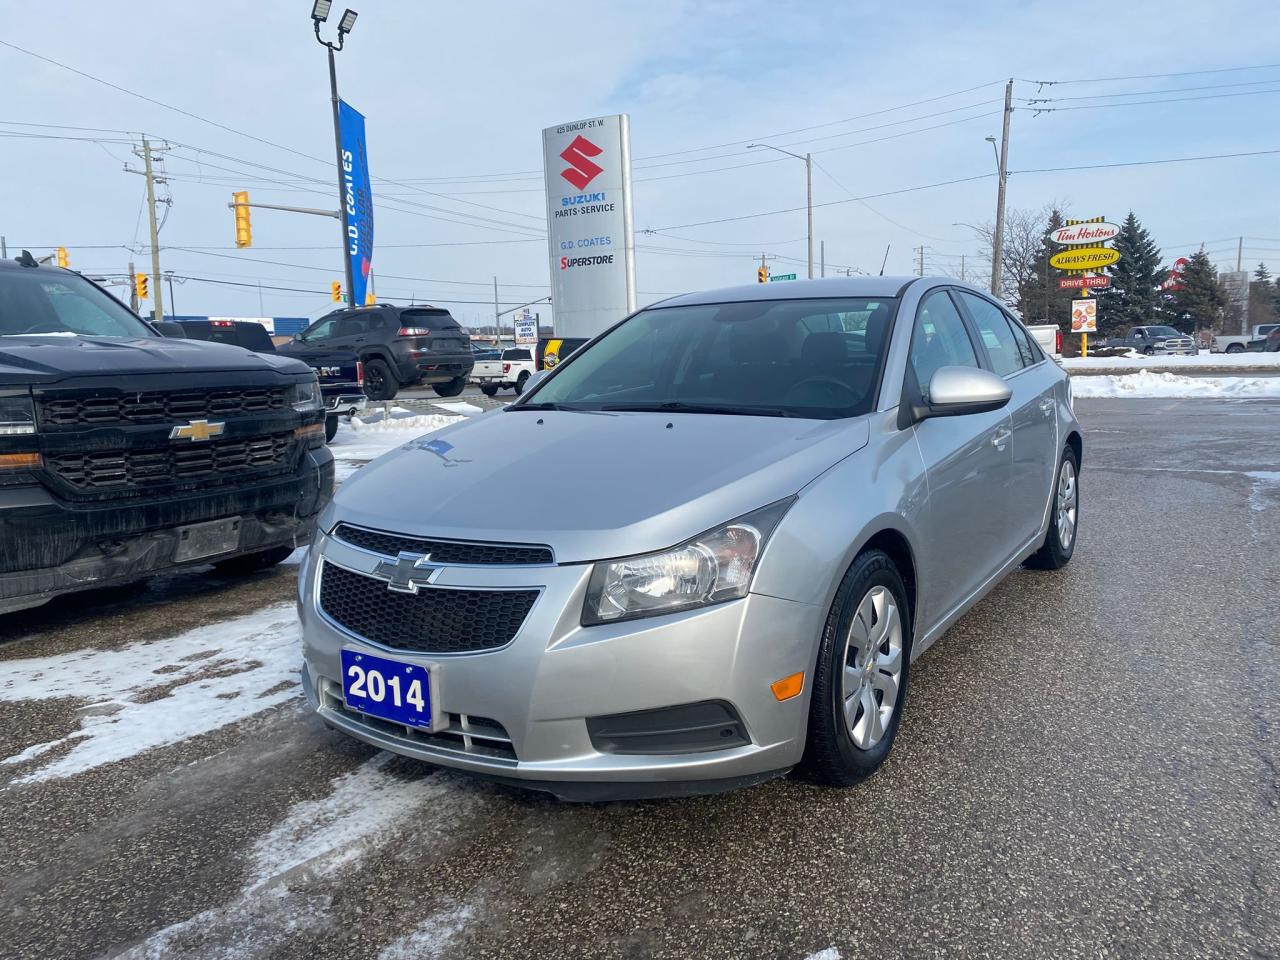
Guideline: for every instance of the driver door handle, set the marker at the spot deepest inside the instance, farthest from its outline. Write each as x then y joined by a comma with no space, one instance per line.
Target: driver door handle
1001,437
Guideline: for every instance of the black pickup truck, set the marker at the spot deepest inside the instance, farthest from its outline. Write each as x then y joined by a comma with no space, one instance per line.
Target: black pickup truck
340,372
124,453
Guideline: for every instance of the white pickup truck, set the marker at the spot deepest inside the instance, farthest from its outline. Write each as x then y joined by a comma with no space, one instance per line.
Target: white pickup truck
1240,343
1049,336
513,370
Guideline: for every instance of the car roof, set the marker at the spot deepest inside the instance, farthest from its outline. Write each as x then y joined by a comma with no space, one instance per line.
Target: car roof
820,289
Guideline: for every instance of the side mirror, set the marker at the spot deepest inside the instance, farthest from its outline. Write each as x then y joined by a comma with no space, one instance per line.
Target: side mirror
959,391
167,328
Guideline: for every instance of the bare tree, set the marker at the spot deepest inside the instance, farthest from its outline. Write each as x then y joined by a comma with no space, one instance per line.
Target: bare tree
1024,232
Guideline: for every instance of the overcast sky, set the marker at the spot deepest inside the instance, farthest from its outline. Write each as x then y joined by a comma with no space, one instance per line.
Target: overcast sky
456,96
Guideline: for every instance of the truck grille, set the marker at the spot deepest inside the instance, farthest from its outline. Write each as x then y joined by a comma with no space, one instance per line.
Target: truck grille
444,551
155,466
158,407
434,620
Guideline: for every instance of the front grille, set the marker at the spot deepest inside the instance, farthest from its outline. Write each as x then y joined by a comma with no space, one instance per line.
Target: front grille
434,620
175,463
443,551
159,407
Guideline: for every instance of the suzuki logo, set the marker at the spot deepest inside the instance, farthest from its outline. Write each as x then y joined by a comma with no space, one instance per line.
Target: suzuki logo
197,430
582,170
410,571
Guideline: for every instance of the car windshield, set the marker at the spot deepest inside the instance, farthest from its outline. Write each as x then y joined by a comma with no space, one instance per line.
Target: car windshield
800,358
38,301
1163,332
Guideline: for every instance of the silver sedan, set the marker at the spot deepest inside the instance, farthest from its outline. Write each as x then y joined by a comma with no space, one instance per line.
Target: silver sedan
705,550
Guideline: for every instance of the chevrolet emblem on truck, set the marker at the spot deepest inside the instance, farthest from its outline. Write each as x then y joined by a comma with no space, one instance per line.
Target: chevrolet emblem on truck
196,430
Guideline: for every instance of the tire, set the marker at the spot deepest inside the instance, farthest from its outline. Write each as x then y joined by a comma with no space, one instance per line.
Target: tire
330,427
379,382
450,389
489,390
837,754
1064,523
521,381
253,562
1149,351
1235,348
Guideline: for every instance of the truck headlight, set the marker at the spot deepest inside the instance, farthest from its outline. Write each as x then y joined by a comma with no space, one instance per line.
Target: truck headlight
17,416
305,396
711,568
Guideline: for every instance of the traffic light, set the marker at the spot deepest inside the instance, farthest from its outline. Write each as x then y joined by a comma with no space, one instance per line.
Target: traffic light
140,286
335,291
240,204
762,274
62,257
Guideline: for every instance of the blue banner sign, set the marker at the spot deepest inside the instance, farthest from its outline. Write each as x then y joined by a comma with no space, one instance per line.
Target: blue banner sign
357,198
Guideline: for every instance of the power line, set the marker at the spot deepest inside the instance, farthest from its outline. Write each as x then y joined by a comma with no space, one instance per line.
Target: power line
1148,93
1146,163
1155,76
1142,103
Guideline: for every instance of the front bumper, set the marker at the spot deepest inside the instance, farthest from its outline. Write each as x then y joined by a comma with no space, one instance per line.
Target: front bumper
72,547
541,688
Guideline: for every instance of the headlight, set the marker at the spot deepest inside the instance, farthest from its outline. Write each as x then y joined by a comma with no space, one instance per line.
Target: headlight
306,396
17,416
711,568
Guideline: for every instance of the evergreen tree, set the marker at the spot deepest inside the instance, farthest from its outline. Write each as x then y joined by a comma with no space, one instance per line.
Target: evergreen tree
1133,299
1262,274
1199,304
1039,299
1262,298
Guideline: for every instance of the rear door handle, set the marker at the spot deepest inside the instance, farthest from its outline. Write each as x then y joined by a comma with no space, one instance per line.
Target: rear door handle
1001,437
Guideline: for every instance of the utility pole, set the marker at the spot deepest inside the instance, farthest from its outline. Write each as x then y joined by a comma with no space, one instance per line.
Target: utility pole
997,251
920,252
497,313
133,287
4,249
808,185
1240,255
962,268
824,257
157,310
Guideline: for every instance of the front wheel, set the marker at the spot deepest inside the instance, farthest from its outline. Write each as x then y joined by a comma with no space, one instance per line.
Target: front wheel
330,427
1060,540
450,388
1235,348
860,680
1149,351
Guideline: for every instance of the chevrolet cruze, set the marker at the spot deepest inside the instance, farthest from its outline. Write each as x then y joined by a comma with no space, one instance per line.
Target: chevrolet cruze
704,550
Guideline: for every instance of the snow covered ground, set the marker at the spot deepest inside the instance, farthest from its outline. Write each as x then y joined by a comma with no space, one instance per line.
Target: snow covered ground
1144,384
1244,361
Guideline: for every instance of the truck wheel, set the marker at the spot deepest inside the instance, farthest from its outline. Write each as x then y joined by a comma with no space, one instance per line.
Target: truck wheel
330,427
1060,540
450,389
488,389
1149,351
252,562
1235,348
379,382
860,679
523,379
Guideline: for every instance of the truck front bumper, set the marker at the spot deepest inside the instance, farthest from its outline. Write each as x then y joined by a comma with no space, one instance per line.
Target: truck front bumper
69,547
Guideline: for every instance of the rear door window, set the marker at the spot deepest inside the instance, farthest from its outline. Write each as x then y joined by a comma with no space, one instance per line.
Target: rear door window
939,339
996,333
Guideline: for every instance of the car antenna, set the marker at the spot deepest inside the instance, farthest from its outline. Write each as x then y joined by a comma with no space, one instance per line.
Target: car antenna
886,258
26,259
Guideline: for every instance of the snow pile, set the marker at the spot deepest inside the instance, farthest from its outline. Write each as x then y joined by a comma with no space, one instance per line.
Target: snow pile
366,438
1144,383
151,694
418,423
1248,361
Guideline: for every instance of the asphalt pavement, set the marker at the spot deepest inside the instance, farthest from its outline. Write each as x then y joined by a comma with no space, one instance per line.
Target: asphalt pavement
1087,767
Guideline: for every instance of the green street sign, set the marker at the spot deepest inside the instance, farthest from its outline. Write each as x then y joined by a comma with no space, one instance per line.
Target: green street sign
782,276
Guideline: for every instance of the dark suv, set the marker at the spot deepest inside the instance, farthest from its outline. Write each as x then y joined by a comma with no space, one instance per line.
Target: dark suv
400,347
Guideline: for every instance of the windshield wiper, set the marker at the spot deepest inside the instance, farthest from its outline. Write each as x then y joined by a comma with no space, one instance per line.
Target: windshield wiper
680,406
537,405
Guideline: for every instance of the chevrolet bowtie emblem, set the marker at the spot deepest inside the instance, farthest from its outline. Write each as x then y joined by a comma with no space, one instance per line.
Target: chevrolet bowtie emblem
410,571
196,430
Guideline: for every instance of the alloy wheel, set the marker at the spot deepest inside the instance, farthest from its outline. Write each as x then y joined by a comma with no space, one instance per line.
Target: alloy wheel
1068,504
872,667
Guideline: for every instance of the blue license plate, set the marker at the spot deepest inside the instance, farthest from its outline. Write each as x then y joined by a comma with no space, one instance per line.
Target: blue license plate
388,689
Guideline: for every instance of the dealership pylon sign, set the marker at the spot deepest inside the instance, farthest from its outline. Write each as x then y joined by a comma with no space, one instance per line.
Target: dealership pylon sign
587,168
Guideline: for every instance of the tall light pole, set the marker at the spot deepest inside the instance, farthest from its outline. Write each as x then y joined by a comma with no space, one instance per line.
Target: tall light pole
808,184
319,14
1002,173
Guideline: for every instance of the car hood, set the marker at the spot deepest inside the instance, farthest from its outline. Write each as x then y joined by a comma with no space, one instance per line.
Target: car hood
592,485
41,359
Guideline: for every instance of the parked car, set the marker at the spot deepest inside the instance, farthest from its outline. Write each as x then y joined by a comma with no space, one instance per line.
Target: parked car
399,347
1239,343
702,551
1270,343
512,368
1049,336
124,453
1155,340
340,373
